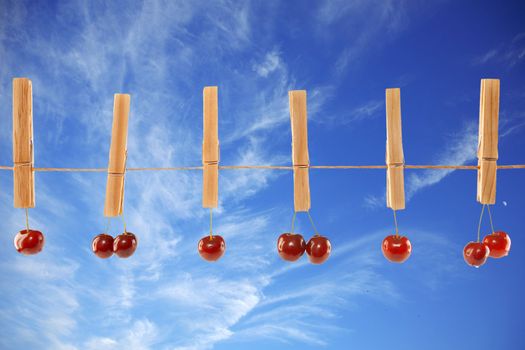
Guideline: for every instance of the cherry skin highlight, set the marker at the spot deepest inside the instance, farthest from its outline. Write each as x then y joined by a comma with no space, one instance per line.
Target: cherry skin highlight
396,248
291,246
498,243
102,246
476,253
29,242
318,249
125,245
212,248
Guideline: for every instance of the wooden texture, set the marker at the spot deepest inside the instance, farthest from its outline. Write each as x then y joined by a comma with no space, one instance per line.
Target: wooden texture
114,203
210,148
488,140
395,184
486,193
300,158
23,157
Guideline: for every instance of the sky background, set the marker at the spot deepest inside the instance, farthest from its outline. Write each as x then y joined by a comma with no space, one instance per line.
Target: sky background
344,53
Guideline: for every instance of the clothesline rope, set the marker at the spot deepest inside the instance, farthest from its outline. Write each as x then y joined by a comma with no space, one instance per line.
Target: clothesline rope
271,167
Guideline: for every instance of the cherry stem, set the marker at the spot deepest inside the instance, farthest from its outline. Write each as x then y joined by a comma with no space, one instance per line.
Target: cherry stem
27,220
293,221
490,218
107,225
480,218
211,223
312,222
395,223
124,223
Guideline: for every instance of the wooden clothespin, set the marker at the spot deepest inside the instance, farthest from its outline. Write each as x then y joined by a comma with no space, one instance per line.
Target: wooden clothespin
488,140
117,157
300,158
395,160
210,148
23,156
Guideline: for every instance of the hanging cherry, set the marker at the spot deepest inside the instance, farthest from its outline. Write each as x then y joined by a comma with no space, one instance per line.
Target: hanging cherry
476,253
498,241
499,244
318,249
396,248
291,246
125,245
29,242
212,247
102,246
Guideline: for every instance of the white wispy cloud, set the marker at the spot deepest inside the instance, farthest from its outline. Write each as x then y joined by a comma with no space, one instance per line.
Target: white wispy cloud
383,19
213,310
47,290
373,201
460,149
142,335
154,51
510,53
289,310
271,63
138,51
369,110
486,57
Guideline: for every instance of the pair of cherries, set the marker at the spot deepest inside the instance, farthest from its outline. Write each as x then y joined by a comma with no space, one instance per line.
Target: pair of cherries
291,246
29,242
396,248
124,245
212,247
496,245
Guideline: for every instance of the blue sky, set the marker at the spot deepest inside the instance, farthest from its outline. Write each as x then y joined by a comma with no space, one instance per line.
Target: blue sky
345,53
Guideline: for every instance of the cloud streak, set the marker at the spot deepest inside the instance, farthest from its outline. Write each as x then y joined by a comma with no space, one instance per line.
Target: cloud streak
509,54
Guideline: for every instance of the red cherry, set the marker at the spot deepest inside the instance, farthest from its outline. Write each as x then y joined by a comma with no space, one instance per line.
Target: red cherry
125,245
29,242
498,243
102,246
396,248
211,248
318,249
291,246
476,253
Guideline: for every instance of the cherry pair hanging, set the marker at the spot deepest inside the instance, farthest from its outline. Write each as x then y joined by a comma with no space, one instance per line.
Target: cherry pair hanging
291,246
495,245
124,245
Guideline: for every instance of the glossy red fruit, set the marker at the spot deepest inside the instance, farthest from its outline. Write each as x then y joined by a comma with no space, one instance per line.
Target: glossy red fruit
318,249
212,248
396,248
291,246
476,253
125,245
29,242
498,243
102,246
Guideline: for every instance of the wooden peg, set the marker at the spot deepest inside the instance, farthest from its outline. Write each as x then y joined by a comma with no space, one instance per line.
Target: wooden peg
488,140
210,148
395,160
23,157
300,158
114,203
